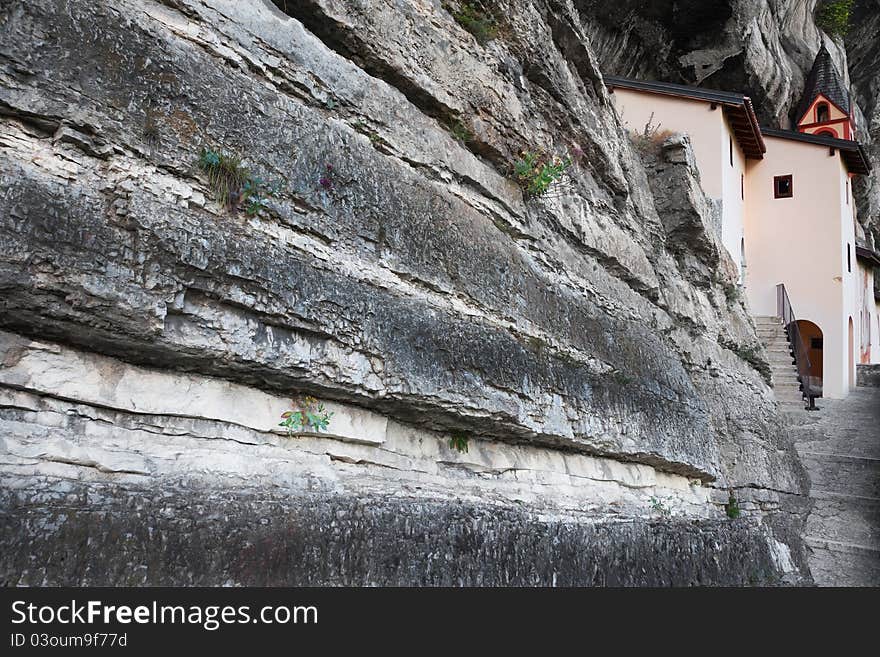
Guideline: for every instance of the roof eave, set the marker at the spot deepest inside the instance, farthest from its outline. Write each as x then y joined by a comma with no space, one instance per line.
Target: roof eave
867,255
852,152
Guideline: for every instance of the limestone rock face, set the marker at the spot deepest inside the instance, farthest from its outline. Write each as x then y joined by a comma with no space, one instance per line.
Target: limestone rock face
763,47
863,48
587,344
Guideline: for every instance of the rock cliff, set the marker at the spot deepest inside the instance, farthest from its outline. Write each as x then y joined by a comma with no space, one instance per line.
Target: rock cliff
586,351
863,48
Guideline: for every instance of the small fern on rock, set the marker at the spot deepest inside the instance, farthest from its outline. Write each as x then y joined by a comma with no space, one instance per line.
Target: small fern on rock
233,183
536,172
732,508
459,442
307,414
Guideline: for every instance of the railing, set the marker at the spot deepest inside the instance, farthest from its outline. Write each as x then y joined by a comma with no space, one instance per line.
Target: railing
798,348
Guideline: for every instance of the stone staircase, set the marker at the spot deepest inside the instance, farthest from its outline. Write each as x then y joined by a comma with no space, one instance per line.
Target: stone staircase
840,448
783,372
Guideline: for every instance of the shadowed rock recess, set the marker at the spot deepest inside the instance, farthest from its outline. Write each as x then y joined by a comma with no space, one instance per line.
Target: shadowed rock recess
588,346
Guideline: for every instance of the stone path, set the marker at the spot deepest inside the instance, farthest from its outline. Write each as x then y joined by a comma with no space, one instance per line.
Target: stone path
840,447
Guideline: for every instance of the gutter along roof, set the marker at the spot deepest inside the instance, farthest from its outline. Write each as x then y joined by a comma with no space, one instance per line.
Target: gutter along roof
868,255
852,152
737,107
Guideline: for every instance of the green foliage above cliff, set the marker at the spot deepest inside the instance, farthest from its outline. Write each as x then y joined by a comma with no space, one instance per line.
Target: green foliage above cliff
475,18
832,16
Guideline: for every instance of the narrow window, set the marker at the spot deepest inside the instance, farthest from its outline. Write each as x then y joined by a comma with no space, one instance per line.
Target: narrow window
821,112
848,258
742,186
782,187
730,140
847,192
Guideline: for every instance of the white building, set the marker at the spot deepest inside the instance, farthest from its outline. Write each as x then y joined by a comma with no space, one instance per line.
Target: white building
787,214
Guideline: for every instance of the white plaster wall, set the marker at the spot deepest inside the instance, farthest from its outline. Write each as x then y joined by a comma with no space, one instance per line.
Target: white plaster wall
852,286
733,204
710,137
801,242
869,317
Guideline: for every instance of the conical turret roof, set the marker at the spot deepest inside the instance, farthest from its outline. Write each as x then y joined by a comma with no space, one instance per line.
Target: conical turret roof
824,79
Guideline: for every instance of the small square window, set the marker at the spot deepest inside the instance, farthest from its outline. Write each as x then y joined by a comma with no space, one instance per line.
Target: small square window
782,187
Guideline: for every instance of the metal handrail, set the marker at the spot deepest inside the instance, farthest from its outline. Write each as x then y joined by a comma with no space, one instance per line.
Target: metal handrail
798,348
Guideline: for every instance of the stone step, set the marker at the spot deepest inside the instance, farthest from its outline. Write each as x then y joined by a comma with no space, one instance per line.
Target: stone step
796,414
844,518
849,475
838,563
789,393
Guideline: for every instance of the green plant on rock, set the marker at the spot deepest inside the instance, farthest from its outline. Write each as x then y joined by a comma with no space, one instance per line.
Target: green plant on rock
732,507
459,442
460,131
536,172
833,16
255,194
475,18
307,414
650,138
660,507
232,182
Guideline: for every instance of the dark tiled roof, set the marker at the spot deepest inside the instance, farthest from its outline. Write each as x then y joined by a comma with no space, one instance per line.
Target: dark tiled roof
824,79
738,108
852,152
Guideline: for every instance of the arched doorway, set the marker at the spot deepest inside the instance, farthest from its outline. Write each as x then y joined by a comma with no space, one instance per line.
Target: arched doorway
813,340
850,357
